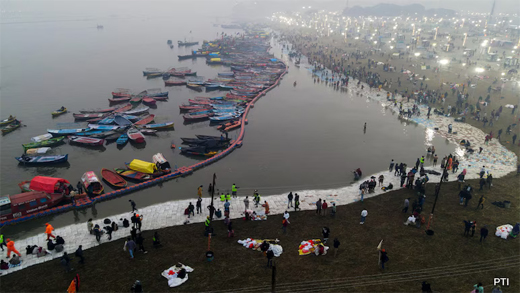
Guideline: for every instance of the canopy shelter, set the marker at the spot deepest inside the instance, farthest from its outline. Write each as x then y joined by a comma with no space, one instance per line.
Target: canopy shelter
48,184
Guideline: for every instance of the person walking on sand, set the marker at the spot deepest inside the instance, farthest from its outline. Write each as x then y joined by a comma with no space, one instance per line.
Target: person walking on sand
246,202
364,214
384,258
199,191
391,168
318,207
11,248
131,246
296,202
199,205
90,226
285,223
290,199
381,179
133,205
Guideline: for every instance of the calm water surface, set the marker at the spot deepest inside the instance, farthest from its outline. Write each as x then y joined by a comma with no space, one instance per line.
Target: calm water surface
303,137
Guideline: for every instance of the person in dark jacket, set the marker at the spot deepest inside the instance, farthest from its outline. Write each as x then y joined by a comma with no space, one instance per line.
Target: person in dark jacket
483,233
336,246
137,287
384,258
97,232
60,240
50,245
140,242
109,231
482,183
270,255
79,253
65,262
156,240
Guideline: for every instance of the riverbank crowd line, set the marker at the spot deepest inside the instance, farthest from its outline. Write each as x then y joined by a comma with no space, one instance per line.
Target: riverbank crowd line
497,160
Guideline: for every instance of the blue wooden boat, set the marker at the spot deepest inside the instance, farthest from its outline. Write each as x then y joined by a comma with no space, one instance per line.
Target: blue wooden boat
212,87
122,121
42,159
225,87
106,121
90,132
65,132
103,127
224,117
151,71
200,112
160,94
132,118
226,74
123,139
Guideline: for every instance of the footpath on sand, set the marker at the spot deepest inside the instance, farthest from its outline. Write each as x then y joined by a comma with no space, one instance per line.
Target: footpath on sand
497,159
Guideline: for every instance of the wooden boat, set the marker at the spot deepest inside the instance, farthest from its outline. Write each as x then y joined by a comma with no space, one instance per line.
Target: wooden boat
133,175
184,57
135,135
224,117
123,139
7,121
65,132
197,151
156,93
160,98
107,110
195,87
37,151
89,116
42,159
164,125
196,117
148,131
187,44
126,107
136,100
199,102
86,141
59,112
113,178
19,205
105,134
185,108
121,93
106,121
151,71
91,183
200,136
11,127
147,119
149,101
174,82
89,133
45,143
103,127
113,137
120,100
137,111
122,121
191,73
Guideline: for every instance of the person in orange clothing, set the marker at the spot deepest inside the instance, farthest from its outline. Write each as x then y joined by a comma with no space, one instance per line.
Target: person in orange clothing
48,230
11,248
266,206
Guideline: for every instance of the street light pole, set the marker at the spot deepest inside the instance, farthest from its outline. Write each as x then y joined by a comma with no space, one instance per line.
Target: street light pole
212,209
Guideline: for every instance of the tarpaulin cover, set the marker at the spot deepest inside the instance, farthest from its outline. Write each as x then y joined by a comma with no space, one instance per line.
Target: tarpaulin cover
274,59
46,184
142,166
215,59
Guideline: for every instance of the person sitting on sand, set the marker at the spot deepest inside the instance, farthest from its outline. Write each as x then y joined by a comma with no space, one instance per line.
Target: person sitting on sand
4,265
50,245
15,260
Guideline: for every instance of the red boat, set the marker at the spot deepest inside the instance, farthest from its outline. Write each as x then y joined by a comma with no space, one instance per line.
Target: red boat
19,205
89,116
89,141
45,184
124,108
147,119
135,135
230,125
113,178
195,102
119,100
149,101
174,82
121,94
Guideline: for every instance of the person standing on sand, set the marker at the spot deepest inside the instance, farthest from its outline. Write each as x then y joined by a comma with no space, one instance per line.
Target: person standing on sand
336,246
199,191
324,207
199,205
290,199
266,206
406,205
483,233
318,207
246,202
296,202
364,214
381,179
391,168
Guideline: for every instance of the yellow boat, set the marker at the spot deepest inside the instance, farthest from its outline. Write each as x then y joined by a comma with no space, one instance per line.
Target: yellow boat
59,112
7,121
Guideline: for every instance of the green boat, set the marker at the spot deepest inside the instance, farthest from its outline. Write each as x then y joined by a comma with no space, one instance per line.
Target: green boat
46,143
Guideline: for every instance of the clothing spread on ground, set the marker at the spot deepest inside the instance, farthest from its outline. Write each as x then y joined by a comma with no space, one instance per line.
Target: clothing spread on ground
503,231
256,243
312,246
177,275
254,216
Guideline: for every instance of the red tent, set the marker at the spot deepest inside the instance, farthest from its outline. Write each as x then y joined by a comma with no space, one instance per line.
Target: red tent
47,184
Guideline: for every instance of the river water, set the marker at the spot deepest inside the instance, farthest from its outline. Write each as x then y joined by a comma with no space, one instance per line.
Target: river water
298,138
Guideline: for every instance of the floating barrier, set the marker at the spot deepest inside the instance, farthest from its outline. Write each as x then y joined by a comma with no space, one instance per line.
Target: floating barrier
179,172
